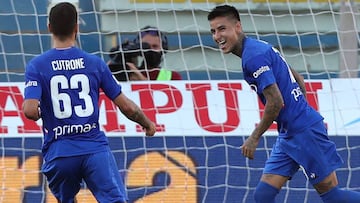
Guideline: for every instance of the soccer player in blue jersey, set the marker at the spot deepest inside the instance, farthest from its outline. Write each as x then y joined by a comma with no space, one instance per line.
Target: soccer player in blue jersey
64,83
302,139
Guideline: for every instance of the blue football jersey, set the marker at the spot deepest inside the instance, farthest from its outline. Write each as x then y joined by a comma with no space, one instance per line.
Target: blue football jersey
67,83
263,65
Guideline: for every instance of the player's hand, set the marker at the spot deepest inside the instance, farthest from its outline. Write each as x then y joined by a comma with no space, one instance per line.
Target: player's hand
150,131
249,147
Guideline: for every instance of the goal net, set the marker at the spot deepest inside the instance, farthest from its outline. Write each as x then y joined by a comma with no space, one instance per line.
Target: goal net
203,119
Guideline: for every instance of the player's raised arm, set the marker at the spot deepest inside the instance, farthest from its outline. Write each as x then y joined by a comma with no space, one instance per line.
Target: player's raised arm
134,113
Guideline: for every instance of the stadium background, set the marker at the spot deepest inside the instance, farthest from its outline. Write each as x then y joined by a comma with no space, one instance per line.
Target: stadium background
189,168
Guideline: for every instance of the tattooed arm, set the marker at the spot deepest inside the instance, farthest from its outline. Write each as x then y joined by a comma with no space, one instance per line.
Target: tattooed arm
134,113
274,103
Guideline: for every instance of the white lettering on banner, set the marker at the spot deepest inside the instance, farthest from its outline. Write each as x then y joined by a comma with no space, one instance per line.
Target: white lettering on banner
192,108
72,64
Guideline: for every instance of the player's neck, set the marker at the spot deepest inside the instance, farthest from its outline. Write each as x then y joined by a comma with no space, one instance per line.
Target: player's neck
63,44
239,47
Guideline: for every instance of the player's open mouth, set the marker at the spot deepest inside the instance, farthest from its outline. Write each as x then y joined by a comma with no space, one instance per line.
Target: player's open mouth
222,44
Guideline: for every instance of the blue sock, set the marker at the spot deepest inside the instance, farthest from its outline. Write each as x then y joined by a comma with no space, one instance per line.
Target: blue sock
337,195
265,193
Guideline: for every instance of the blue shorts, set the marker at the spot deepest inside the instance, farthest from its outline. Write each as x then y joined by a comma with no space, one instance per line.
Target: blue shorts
310,149
98,170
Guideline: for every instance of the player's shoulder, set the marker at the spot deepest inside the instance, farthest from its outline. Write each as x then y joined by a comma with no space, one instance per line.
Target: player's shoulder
41,57
254,46
92,61
91,58
254,49
80,52
36,62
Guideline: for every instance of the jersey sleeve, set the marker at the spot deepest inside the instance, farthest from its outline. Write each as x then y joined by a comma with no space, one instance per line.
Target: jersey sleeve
32,83
260,71
109,85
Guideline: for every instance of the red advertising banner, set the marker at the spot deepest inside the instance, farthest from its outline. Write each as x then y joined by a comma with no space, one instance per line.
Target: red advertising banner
197,108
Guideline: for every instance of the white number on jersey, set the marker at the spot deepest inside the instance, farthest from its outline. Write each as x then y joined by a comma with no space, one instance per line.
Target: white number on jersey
58,98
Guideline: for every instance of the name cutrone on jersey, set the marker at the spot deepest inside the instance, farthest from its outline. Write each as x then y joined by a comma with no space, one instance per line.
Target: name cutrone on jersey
72,64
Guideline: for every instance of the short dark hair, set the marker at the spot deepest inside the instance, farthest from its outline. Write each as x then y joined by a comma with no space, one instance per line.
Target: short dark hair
224,11
154,31
62,19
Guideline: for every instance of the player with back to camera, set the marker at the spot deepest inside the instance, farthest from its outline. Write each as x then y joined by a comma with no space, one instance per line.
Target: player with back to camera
65,84
302,139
